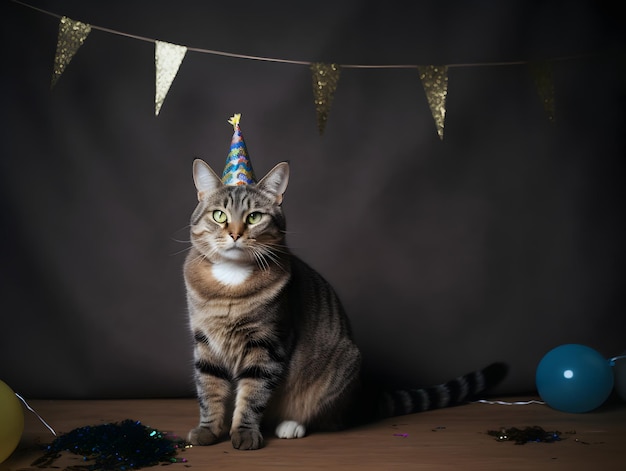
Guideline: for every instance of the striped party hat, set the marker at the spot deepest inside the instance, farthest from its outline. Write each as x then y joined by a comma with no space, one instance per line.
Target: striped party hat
238,169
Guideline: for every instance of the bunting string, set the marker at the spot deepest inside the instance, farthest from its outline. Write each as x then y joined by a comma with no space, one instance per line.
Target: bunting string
325,76
304,63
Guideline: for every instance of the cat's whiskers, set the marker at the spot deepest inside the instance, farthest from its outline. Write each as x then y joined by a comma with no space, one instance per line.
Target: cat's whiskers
186,241
267,252
260,260
178,252
274,246
186,231
201,256
259,253
205,250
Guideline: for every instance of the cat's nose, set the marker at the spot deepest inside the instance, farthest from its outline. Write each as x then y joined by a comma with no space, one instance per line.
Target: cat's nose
235,230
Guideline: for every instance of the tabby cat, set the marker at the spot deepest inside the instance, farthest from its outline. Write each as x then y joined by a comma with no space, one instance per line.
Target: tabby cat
273,346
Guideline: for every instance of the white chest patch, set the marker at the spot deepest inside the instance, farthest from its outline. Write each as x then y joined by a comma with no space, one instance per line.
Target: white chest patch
230,273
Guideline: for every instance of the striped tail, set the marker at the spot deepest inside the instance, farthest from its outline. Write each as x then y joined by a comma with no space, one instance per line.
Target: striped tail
454,392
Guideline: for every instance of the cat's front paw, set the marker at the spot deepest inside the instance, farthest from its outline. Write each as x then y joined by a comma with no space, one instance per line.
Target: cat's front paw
246,439
202,436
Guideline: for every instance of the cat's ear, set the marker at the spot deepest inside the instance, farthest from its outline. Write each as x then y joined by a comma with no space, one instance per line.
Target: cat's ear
204,178
275,182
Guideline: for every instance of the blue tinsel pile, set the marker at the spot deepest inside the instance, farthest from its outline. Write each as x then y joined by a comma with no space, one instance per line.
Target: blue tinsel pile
119,446
526,435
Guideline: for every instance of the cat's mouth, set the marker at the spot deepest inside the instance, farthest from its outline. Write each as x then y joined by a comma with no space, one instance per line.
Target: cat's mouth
234,251
234,245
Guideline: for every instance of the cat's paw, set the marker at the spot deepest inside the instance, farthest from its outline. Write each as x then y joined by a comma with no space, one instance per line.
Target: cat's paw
202,436
290,429
246,439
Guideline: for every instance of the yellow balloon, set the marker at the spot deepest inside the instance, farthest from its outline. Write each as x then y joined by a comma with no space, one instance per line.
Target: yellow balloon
11,421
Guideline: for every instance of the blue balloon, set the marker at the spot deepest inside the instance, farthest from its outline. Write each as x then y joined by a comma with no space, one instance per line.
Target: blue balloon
574,378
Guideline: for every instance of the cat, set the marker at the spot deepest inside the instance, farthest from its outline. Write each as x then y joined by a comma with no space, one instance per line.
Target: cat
273,346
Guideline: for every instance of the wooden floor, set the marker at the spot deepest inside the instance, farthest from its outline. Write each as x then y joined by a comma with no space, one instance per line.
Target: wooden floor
454,438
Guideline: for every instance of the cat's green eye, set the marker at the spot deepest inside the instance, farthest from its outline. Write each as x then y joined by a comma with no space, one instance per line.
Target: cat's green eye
254,218
219,216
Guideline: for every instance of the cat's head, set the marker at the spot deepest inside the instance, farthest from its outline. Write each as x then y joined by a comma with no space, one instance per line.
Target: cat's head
239,223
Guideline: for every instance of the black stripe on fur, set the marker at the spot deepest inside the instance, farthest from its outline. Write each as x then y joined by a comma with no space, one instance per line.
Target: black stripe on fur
457,389
454,392
259,373
212,369
200,337
270,347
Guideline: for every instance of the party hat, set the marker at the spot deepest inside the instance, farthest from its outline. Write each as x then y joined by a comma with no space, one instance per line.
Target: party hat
238,169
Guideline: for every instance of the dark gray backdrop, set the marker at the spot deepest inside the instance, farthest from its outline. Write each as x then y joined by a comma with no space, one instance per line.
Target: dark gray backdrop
499,243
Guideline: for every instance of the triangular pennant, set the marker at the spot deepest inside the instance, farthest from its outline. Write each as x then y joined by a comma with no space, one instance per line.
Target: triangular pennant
167,59
72,35
325,80
435,82
542,75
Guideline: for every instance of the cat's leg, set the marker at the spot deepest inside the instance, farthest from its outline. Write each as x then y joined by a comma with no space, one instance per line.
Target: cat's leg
278,415
324,402
213,389
255,386
260,373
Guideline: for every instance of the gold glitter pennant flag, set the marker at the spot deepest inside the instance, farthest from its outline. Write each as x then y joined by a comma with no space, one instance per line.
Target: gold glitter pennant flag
435,82
325,80
542,75
72,35
167,59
